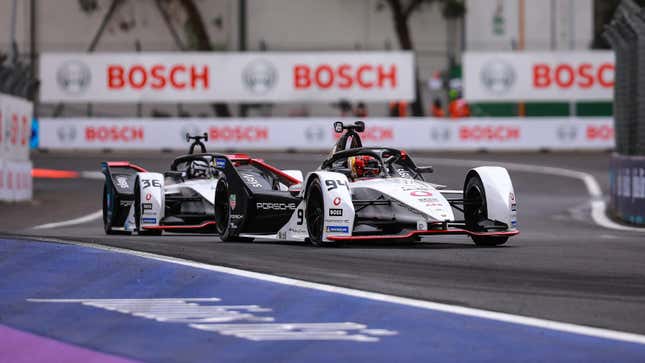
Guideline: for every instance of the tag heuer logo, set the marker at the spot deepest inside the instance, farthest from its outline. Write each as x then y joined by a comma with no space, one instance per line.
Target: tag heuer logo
232,201
73,77
259,76
498,76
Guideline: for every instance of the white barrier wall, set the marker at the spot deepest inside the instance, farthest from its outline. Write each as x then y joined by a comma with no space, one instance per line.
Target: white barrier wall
318,134
15,133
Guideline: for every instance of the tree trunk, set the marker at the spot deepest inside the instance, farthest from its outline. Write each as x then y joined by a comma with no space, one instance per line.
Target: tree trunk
400,18
203,43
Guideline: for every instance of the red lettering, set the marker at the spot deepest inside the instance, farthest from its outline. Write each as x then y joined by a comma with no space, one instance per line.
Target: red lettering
359,76
140,81
606,82
570,78
25,131
156,74
344,76
197,76
115,77
585,73
382,76
541,77
328,80
113,133
489,133
250,133
301,76
600,133
15,127
173,72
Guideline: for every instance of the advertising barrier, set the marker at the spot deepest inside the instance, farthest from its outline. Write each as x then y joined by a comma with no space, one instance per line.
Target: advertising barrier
15,132
627,188
318,134
538,76
238,77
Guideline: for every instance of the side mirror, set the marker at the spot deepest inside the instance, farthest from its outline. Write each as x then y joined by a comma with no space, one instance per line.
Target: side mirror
425,169
295,189
360,126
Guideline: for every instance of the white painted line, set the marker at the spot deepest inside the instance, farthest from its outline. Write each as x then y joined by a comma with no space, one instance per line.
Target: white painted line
452,309
598,204
72,222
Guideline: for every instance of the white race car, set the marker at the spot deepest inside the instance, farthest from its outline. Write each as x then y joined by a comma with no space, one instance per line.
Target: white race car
371,193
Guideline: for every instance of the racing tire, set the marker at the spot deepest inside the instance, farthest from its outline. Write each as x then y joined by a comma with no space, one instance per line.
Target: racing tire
475,212
315,215
108,211
137,213
223,213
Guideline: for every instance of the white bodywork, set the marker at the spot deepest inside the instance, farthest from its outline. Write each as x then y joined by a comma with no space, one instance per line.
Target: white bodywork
204,187
151,195
500,195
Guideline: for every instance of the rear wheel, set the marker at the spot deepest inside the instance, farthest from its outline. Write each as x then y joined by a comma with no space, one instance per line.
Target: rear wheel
475,212
223,215
137,213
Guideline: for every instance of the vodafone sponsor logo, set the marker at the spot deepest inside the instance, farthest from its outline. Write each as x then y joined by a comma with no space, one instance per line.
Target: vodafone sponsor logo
490,133
569,75
158,77
238,133
345,76
126,134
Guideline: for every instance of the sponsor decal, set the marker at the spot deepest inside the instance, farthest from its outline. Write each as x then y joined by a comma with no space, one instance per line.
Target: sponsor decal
313,133
114,133
489,133
238,133
149,220
125,203
497,76
249,322
345,76
568,75
148,196
422,225
158,77
567,132
232,201
282,235
297,230
341,229
372,133
66,133
259,76
337,201
73,77
236,217
146,206
251,180
420,193
275,206
603,132
220,163
122,182
335,212
440,134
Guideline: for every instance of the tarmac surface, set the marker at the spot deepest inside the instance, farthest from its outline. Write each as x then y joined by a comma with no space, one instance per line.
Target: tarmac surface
561,267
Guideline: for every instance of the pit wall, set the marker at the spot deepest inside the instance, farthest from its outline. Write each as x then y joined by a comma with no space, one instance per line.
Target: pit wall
15,131
309,134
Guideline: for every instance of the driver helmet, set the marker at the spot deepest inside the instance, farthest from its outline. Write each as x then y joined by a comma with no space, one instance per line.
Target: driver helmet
363,166
198,169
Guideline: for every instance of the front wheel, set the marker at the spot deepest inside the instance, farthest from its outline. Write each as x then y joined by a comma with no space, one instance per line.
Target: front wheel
108,210
315,215
223,213
475,212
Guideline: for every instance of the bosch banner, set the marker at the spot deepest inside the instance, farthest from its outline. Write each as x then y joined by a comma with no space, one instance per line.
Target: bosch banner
538,76
317,134
235,77
15,132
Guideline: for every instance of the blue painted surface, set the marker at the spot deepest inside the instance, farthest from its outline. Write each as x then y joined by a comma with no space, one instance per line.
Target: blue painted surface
48,270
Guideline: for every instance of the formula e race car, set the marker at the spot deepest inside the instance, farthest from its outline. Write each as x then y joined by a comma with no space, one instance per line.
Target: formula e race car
184,199
367,193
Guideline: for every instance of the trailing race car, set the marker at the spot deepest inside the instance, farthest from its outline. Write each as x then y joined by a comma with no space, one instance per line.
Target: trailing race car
367,193
184,198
